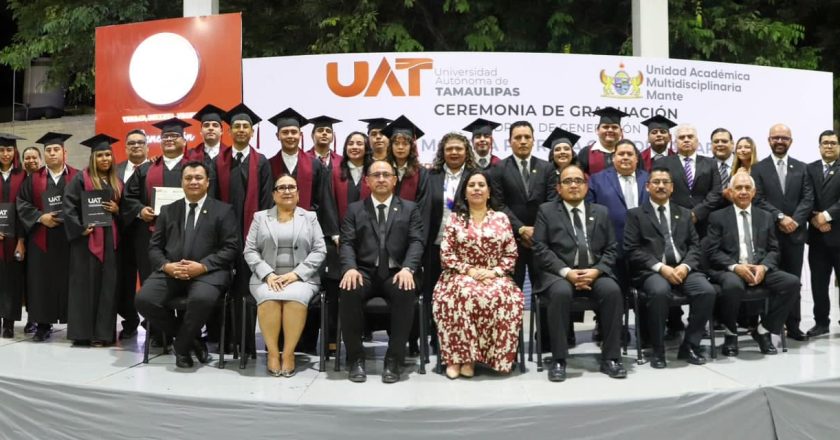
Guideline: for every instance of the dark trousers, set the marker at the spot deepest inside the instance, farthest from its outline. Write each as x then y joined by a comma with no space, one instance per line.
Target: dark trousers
610,305
351,307
127,281
202,298
790,260
658,294
782,286
526,258
822,259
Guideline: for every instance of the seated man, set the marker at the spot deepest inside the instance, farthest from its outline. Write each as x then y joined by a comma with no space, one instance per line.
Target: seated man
742,250
663,249
381,247
574,259
192,251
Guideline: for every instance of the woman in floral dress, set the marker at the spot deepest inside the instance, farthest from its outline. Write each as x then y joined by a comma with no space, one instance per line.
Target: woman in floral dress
477,307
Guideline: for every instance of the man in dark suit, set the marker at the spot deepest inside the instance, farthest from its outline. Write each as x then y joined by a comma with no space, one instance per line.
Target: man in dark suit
381,248
195,244
784,190
522,183
482,141
723,149
574,259
696,178
823,233
659,140
742,250
663,249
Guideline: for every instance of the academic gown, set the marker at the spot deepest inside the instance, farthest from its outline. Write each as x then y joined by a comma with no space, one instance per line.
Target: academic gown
12,272
47,270
92,301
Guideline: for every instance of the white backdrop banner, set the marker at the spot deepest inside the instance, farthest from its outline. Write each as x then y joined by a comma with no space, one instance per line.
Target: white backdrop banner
444,91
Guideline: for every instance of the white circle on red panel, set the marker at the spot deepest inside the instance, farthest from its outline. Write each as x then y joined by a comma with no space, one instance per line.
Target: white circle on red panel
163,68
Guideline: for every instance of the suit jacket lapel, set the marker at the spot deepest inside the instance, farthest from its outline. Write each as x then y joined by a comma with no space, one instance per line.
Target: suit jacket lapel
372,215
271,216
393,211
654,218
565,217
298,223
513,166
617,187
831,172
205,211
589,221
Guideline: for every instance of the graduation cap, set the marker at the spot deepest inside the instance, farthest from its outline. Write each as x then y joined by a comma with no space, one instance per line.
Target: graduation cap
404,126
558,136
659,121
242,113
99,142
209,113
323,121
610,115
289,118
481,126
9,140
376,123
172,125
53,138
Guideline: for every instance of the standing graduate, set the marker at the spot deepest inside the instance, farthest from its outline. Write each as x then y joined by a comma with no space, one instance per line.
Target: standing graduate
211,118
482,142
47,245
412,177
12,249
598,156
379,143
92,302
323,138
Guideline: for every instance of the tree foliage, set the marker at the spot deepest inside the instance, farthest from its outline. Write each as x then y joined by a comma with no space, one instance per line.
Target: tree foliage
784,33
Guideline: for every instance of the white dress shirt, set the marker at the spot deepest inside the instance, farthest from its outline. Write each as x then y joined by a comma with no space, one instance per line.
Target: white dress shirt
197,209
582,207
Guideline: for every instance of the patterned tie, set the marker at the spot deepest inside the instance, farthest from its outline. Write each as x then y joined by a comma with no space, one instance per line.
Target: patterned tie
583,250
483,162
724,174
526,176
382,270
780,168
748,237
658,156
689,176
825,171
629,194
670,255
323,160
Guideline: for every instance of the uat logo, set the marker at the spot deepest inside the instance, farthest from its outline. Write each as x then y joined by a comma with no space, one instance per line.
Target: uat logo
384,76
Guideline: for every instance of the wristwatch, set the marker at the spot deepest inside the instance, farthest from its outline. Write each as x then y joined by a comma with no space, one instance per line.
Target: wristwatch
780,216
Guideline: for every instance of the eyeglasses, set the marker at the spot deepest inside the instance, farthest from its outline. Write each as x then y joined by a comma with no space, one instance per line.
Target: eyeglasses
130,144
657,182
829,143
573,181
780,138
381,175
170,136
285,188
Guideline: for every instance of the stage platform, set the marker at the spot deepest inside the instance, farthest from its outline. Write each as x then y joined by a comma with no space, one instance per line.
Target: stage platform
52,390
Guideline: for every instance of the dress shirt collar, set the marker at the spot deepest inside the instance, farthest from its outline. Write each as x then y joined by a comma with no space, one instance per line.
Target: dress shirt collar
170,163
56,176
455,175
244,152
748,211
376,203
729,160
776,159
597,146
197,208
6,173
694,158
656,206
581,205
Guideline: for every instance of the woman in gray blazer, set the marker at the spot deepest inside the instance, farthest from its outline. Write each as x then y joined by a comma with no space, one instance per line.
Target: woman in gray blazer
284,249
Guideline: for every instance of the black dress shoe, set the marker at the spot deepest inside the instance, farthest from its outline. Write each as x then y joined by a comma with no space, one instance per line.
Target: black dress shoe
390,372
765,344
797,335
357,371
127,333
817,330
42,333
30,327
690,354
730,345
658,360
183,361
200,350
8,333
613,369
81,343
557,371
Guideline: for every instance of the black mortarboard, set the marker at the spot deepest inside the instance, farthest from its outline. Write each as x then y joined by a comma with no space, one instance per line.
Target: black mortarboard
99,142
402,125
209,113
481,126
9,140
172,125
53,138
610,115
323,121
376,123
558,135
288,118
242,113
659,121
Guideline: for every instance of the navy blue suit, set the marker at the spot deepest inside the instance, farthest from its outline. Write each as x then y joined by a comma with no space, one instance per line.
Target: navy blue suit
605,189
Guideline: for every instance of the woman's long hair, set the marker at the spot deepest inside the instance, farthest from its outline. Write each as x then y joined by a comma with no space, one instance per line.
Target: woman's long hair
111,176
736,163
366,157
412,163
462,206
440,162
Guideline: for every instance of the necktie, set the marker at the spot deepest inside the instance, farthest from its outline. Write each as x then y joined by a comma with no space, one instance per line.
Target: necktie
748,237
825,170
583,249
483,162
658,156
237,160
689,175
382,270
629,194
323,160
724,175
189,230
670,255
780,167
608,160
526,175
